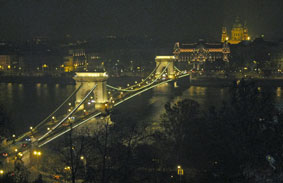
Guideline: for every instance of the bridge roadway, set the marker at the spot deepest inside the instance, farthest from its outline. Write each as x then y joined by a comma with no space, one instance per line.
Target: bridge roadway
117,97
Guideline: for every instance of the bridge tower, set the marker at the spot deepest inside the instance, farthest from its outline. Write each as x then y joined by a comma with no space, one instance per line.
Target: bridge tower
88,81
162,62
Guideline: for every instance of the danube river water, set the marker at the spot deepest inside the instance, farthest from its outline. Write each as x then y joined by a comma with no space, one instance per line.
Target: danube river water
28,104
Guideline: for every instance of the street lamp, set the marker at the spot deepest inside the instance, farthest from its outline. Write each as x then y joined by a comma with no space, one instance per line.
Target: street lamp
37,154
20,154
84,162
14,138
180,172
67,168
1,173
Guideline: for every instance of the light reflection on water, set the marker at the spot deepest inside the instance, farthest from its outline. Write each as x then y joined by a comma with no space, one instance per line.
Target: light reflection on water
30,103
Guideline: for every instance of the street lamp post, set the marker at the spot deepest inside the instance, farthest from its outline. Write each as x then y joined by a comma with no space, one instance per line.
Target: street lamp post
14,138
84,162
37,154
1,174
180,172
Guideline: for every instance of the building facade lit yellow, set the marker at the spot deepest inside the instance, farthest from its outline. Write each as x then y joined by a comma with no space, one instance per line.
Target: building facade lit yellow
74,59
239,33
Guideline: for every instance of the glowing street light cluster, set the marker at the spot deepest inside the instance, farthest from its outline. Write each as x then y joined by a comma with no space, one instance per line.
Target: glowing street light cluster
67,168
37,153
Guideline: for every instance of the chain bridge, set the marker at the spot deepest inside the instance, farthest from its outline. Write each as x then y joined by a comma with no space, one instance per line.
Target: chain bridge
93,98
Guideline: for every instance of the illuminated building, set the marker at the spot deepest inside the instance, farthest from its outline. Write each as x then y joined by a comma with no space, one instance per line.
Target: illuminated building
197,54
239,33
74,59
5,62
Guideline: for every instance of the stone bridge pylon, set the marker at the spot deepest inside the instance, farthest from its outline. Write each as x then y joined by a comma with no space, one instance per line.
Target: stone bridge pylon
88,80
162,62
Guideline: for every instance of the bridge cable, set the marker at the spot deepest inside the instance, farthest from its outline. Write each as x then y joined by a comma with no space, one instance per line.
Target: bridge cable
145,78
66,117
132,90
59,106
43,121
67,130
177,69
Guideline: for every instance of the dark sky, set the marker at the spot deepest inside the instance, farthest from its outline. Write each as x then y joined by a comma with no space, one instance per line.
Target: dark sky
164,19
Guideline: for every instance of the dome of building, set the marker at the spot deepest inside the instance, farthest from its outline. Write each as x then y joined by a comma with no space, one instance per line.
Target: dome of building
237,23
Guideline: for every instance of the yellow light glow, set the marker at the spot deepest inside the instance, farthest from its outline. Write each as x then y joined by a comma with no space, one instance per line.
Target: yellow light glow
178,166
16,150
20,154
9,67
37,153
227,38
165,57
30,128
92,74
245,68
44,66
82,157
1,172
67,168
249,38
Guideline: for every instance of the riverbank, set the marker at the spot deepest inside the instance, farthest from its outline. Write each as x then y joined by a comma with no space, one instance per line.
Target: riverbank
196,81
224,82
38,79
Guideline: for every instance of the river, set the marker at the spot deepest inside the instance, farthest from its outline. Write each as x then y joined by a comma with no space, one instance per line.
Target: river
28,104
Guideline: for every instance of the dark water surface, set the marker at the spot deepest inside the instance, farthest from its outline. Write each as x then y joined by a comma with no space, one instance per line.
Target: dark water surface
28,104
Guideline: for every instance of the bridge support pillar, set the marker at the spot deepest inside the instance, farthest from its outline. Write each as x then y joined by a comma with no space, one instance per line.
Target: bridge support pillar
88,80
162,62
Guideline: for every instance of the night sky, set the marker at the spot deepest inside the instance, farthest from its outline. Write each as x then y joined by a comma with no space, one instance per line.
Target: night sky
162,19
